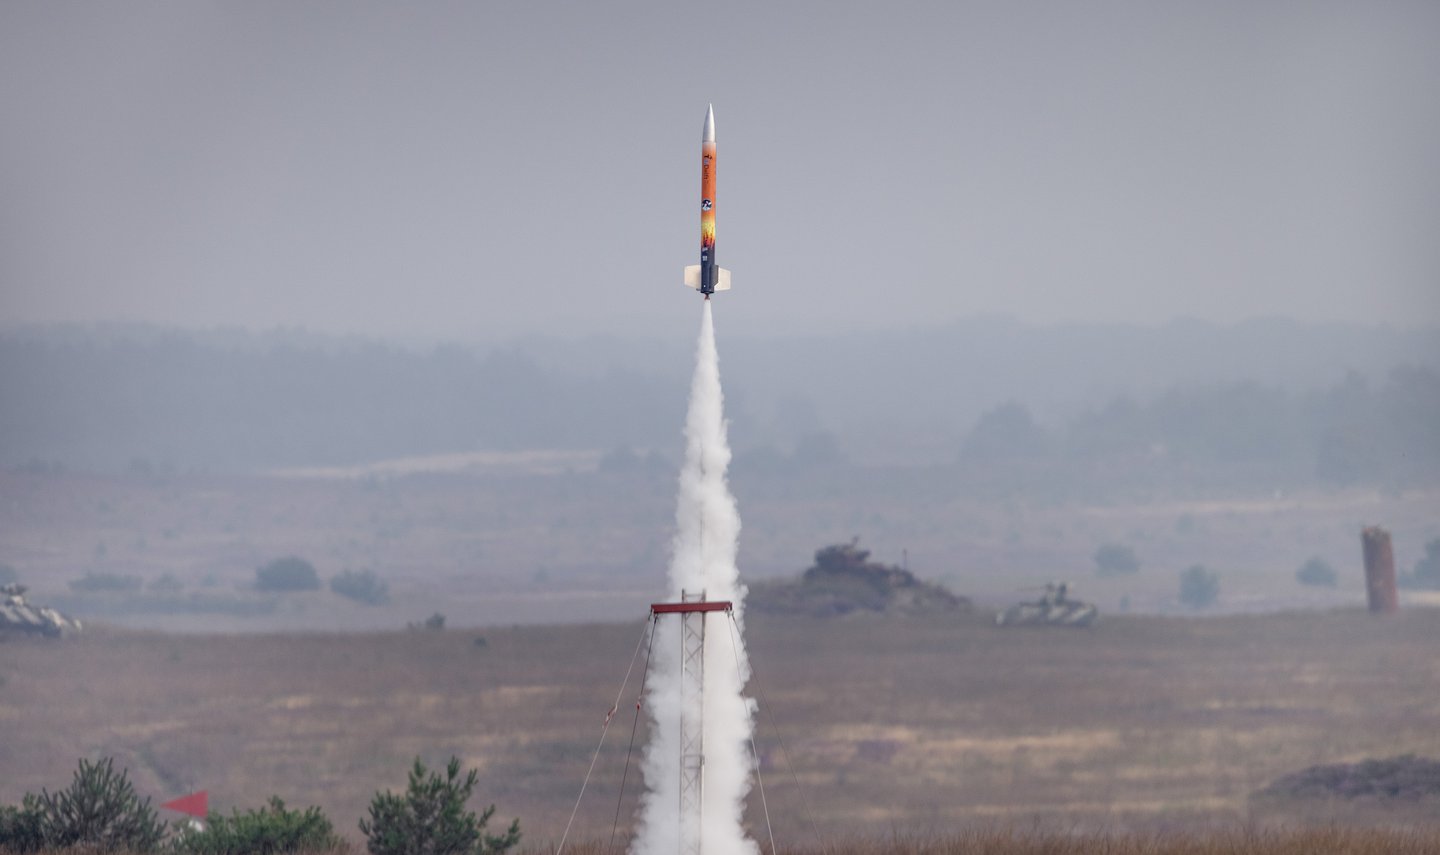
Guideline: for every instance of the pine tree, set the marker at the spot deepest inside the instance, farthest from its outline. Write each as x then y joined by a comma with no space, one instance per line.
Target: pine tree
431,819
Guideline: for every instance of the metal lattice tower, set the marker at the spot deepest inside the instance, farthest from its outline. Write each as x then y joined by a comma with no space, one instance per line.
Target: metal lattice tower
692,725
692,610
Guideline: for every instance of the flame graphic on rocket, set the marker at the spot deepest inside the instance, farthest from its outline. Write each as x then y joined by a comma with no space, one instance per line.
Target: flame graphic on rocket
707,277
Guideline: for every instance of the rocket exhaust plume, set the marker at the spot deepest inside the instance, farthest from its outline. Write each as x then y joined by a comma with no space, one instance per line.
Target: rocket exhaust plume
706,538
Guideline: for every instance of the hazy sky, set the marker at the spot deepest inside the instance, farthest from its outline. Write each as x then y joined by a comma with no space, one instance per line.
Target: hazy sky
482,169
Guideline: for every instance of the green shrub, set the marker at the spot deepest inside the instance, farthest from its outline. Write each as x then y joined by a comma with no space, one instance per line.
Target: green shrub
1317,573
267,831
362,586
1114,559
1199,587
287,574
20,827
431,819
99,810
8,576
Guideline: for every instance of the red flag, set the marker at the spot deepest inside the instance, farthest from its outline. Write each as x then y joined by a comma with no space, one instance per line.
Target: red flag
195,804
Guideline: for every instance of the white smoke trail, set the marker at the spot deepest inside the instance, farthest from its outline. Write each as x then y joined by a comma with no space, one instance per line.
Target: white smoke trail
706,538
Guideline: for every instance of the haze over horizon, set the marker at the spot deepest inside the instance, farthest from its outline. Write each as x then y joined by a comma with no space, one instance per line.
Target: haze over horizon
473,171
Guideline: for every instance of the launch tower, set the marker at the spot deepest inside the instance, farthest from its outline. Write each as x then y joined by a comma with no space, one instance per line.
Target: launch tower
692,610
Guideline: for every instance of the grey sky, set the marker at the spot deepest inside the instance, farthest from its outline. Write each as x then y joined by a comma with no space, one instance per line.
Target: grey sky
484,169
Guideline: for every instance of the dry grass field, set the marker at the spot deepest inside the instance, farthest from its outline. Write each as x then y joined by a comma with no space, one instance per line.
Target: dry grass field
1327,841
870,727
497,546
1294,842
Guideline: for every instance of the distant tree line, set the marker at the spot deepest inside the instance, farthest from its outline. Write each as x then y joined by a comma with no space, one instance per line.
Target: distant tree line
1352,432
286,575
181,400
157,400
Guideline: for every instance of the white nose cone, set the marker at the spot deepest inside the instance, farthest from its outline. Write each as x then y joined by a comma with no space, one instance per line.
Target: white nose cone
709,135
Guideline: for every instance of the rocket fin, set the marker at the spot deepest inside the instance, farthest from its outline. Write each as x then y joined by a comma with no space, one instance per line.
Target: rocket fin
692,276
722,280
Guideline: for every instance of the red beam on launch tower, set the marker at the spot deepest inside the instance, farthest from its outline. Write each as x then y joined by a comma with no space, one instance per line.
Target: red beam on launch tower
682,608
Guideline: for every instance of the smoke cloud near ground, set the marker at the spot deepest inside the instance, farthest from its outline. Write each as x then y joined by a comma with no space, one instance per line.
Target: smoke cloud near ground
706,538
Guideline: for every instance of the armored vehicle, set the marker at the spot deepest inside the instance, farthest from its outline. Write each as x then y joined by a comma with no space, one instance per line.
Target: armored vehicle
18,616
1054,608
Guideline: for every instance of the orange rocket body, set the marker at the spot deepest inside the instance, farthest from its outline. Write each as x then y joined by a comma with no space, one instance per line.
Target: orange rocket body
707,277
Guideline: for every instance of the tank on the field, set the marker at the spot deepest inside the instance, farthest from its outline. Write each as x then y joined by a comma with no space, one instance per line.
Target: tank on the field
20,617
1054,608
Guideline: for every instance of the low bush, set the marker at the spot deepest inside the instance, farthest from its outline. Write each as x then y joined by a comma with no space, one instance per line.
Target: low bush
1427,569
270,830
287,574
434,623
1114,559
1199,587
1317,573
94,583
362,586
167,584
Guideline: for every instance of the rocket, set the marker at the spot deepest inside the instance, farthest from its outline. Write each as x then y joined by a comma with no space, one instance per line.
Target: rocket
706,277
